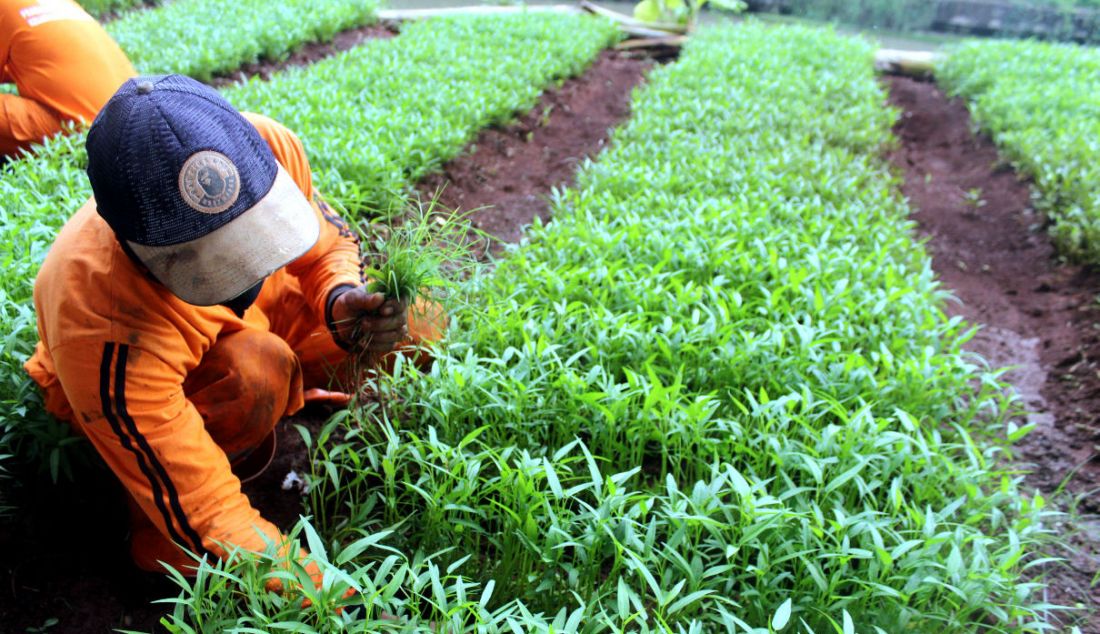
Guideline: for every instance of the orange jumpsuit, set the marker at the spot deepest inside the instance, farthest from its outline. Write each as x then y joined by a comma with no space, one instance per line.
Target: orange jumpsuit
171,394
63,63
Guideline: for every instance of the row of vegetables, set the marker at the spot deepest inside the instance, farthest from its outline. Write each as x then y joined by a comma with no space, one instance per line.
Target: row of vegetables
1041,104
716,393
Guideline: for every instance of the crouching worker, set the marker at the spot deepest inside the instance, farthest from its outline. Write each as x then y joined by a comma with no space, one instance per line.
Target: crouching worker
63,63
191,303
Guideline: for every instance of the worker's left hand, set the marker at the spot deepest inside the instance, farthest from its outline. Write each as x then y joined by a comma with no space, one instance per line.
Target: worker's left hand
365,321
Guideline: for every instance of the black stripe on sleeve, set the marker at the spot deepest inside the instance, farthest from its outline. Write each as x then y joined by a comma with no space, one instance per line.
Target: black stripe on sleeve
108,412
173,495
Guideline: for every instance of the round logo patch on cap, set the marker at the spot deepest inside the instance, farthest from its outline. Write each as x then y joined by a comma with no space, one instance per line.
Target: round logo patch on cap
209,182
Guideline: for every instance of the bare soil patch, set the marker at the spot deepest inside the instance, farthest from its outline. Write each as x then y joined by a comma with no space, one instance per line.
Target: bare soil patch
505,178
65,556
1039,314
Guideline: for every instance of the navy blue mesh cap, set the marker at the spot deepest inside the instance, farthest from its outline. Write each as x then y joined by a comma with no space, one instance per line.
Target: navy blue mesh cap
194,190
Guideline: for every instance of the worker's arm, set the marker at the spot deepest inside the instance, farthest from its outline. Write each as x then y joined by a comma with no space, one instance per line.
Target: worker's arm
334,261
131,405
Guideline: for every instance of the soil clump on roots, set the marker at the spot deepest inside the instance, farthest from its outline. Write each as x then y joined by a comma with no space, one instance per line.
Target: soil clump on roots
1038,315
64,559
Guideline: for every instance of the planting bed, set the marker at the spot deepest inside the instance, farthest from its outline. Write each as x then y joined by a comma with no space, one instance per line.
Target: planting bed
717,393
203,38
569,123
1039,316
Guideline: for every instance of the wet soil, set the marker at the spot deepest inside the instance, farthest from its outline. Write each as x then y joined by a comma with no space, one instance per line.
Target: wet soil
1039,315
64,561
505,178
307,54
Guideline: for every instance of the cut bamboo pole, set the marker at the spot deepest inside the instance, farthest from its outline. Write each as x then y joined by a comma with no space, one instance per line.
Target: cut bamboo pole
672,41
401,15
909,63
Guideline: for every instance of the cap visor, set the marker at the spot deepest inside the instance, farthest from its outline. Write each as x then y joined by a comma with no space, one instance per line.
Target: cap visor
226,262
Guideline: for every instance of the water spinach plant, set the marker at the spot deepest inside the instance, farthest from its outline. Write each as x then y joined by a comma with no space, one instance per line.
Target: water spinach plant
202,38
1041,104
717,393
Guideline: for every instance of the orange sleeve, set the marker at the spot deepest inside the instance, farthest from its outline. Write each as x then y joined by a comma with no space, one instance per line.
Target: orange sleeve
132,407
334,260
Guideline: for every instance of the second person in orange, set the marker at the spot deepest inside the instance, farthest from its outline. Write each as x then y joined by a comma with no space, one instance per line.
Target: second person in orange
64,65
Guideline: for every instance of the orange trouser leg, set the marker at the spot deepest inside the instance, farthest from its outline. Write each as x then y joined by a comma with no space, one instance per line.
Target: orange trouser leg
245,383
24,122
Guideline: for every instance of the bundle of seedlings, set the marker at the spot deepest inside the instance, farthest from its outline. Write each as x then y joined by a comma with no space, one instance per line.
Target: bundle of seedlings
415,260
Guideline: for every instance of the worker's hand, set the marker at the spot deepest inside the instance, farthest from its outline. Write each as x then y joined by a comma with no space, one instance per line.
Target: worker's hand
364,321
316,579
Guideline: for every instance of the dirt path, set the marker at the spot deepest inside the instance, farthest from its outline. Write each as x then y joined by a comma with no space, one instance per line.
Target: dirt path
507,176
66,557
1041,316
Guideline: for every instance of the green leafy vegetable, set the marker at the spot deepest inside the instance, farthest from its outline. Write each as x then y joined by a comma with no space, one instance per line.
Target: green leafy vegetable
1041,104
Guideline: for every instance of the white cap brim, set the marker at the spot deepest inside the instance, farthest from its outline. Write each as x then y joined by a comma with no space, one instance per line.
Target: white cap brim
228,261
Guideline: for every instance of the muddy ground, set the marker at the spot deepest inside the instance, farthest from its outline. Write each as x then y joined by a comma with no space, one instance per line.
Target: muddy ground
64,563
1039,314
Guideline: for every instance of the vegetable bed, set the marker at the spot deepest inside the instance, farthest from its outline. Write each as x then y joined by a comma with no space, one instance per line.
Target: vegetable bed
1041,104
719,391
716,393
202,38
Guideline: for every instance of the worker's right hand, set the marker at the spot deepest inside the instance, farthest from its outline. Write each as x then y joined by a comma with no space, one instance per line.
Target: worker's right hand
316,578
365,321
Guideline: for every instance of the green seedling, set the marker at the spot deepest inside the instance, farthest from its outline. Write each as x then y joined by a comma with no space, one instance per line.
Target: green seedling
972,198
419,254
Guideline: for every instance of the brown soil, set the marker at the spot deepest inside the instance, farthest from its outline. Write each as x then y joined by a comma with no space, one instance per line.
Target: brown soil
504,180
1039,315
307,54
66,557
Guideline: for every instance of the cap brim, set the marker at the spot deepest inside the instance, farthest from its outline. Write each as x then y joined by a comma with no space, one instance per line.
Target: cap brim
226,262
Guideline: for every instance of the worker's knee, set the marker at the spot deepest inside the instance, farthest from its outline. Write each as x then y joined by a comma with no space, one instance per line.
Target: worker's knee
244,384
24,122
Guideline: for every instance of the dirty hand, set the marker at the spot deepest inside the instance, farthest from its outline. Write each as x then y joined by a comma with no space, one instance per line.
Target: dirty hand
366,321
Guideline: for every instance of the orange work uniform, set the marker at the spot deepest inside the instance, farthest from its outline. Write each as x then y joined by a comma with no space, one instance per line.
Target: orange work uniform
172,394
63,63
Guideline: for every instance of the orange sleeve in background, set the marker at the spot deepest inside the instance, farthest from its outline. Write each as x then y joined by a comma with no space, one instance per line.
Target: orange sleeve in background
23,122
